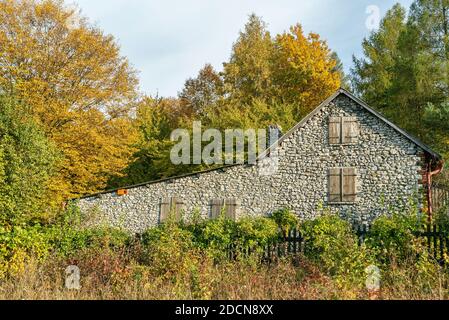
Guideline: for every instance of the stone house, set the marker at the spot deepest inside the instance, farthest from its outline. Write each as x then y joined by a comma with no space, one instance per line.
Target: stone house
343,156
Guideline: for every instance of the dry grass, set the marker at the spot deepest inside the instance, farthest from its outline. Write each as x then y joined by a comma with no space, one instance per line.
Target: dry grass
115,275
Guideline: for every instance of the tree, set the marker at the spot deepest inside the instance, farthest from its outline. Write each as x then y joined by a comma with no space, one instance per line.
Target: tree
156,118
405,68
78,86
372,76
247,75
432,19
290,69
201,92
304,69
405,71
28,161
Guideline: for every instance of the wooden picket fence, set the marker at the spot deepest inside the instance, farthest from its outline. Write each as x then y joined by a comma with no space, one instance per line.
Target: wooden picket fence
437,240
440,197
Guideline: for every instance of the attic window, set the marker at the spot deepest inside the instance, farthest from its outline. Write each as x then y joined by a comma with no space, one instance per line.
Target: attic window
342,185
343,130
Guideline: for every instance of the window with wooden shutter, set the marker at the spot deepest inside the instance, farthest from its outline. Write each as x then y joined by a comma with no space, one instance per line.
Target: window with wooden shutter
231,208
342,185
216,206
164,209
343,130
350,129
228,206
334,130
177,208
171,206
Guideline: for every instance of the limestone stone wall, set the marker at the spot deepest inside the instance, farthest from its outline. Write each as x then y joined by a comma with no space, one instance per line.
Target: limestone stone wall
387,164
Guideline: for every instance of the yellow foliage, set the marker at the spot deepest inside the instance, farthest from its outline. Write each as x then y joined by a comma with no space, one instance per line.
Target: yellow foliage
75,83
304,70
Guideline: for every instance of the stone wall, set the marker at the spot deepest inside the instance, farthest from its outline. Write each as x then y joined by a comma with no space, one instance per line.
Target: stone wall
387,163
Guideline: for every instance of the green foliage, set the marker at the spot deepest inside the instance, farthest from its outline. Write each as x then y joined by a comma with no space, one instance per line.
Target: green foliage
220,235
248,73
68,235
372,76
27,163
331,242
393,237
400,252
404,72
18,245
286,220
170,250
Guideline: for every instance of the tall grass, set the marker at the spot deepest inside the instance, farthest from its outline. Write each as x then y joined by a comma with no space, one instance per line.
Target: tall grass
190,261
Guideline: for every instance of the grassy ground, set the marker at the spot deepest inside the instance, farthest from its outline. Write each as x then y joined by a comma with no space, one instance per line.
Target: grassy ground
178,261
114,276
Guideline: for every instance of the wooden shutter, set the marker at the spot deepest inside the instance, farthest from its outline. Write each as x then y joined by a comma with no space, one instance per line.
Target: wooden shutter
164,209
349,185
335,130
231,208
350,130
342,185
335,185
216,206
177,208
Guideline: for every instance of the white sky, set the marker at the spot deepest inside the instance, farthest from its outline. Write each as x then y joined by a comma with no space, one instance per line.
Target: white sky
169,41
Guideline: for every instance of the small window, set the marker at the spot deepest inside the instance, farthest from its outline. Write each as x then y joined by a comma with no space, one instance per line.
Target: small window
343,130
171,206
342,185
228,206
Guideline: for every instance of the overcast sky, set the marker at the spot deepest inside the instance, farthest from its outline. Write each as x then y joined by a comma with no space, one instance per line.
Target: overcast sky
168,41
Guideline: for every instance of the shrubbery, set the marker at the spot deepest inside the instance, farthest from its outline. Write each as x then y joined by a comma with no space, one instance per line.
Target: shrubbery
191,259
332,243
393,237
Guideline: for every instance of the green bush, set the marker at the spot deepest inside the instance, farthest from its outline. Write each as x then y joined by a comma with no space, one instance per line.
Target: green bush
286,220
20,244
332,243
221,235
27,164
67,235
393,237
169,250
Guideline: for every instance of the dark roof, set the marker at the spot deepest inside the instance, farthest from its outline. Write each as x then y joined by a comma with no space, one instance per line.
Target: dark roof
432,153
342,91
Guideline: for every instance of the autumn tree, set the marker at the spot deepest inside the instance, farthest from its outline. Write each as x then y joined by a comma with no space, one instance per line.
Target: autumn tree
200,92
291,68
266,81
155,120
247,75
79,87
304,69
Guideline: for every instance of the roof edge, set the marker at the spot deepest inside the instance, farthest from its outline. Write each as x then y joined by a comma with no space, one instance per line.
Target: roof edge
415,140
158,181
362,103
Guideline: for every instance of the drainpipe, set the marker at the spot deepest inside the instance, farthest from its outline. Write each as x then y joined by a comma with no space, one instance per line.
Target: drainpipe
429,175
